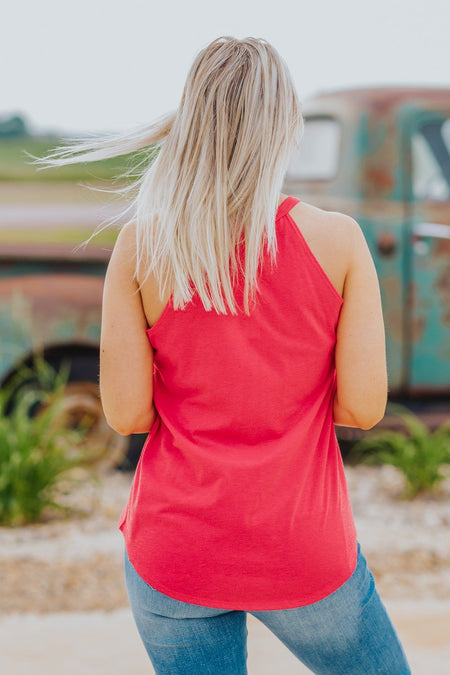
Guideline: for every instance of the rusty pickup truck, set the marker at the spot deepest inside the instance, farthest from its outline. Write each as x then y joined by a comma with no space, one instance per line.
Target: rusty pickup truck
50,306
381,155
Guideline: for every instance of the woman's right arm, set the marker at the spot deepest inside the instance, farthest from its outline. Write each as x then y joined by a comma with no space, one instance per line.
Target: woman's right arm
361,370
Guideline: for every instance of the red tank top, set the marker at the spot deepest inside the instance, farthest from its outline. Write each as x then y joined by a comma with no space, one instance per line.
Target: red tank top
240,500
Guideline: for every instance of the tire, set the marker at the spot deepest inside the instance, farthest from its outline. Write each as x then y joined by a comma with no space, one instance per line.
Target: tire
106,448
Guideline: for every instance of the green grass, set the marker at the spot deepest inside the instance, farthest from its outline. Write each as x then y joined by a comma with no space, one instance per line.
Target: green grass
38,454
61,236
419,454
15,164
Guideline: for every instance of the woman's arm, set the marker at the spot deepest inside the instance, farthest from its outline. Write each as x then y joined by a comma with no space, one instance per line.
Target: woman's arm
361,371
126,355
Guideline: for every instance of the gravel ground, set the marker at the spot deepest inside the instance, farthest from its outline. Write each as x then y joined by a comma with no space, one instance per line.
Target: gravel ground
76,564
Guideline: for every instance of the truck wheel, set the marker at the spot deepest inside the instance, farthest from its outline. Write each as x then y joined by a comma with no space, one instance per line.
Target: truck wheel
103,446
82,402
121,452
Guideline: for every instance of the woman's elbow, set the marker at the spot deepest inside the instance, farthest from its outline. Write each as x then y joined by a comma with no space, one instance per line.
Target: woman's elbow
125,425
362,417
370,423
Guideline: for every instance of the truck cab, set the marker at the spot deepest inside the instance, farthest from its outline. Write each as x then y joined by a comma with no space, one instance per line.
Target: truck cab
379,154
382,156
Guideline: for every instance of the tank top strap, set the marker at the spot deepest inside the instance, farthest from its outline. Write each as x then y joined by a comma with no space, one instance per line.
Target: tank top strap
286,206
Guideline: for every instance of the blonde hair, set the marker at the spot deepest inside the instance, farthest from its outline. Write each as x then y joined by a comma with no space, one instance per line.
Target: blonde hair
216,171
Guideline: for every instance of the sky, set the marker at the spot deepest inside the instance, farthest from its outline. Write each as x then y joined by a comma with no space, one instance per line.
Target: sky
110,65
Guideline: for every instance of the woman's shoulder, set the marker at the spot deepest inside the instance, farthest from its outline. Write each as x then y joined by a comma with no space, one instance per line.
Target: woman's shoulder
332,229
330,235
316,219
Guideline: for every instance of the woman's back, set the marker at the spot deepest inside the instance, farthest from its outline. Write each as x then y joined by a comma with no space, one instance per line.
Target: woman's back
324,233
241,474
239,500
337,243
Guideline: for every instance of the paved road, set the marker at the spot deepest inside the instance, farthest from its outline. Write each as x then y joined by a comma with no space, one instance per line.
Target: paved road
98,643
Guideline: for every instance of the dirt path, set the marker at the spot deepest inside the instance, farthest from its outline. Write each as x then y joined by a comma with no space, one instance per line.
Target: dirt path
62,592
98,643
76,565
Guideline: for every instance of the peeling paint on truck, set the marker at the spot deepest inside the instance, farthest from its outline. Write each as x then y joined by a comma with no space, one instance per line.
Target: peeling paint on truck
393,177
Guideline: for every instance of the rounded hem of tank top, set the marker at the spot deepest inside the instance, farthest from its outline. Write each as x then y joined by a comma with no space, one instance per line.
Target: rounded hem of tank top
246,607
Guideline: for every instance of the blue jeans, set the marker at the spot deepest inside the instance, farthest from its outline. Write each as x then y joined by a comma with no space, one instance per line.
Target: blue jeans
346,633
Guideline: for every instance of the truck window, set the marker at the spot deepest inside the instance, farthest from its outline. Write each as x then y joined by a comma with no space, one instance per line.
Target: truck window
318,156
431,161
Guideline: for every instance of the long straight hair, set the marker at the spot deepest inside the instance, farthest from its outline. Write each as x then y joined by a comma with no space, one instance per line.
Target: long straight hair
214,171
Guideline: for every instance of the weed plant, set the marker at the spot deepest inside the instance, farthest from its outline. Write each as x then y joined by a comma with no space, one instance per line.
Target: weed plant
38,454
420,455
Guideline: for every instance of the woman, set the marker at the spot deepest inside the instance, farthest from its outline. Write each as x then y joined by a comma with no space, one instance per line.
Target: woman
239,325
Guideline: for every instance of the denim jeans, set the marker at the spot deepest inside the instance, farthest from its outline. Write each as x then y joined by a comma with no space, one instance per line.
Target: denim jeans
346,633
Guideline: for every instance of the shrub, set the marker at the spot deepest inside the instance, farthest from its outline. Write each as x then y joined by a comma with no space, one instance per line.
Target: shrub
38,454
420,454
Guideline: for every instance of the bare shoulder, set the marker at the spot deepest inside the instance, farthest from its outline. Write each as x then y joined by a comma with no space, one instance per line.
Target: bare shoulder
125,250
316,222
332,230
331,237
126,239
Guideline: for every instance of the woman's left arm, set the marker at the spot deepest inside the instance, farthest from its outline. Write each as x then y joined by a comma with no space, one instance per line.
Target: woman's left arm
126,355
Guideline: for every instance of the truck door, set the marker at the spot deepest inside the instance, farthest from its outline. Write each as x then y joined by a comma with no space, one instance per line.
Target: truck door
427,196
